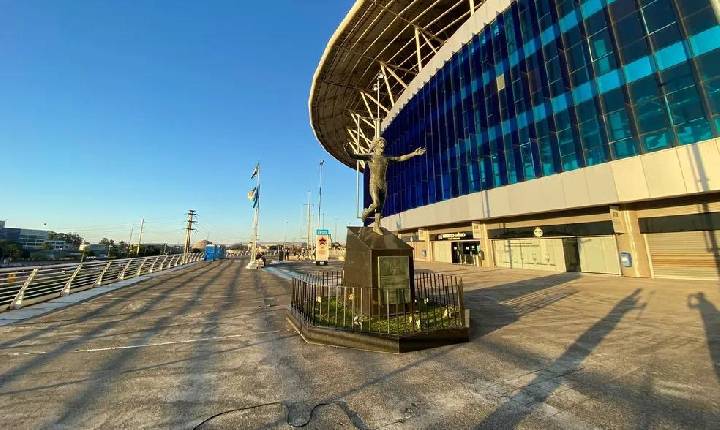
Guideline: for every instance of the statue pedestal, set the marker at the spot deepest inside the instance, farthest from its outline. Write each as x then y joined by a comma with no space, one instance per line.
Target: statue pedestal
381,266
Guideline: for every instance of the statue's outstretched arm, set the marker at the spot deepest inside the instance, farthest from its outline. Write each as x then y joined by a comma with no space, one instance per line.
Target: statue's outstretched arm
354,155
415,153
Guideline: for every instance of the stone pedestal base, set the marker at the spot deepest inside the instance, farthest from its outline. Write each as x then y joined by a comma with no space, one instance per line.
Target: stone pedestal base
382,265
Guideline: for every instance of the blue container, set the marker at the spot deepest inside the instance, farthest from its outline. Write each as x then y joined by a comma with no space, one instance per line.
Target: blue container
214,252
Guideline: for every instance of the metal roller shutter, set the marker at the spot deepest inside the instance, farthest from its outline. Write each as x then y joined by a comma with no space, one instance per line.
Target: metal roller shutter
687,254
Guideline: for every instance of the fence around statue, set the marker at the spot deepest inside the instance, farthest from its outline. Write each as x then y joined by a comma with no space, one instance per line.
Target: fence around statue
436,304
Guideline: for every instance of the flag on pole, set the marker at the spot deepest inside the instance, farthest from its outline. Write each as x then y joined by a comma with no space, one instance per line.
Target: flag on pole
255,171
253,195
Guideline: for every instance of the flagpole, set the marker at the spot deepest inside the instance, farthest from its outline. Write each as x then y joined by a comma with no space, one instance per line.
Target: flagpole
257,208
254,195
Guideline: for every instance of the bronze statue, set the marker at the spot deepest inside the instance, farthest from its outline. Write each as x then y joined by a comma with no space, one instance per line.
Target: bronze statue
378,170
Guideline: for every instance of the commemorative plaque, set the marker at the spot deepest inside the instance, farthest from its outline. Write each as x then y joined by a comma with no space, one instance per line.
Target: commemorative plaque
394,278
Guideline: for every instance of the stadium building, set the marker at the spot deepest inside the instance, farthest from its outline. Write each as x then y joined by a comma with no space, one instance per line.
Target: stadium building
564,135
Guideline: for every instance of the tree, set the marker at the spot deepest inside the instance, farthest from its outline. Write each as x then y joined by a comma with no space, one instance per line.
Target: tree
71,238
10,249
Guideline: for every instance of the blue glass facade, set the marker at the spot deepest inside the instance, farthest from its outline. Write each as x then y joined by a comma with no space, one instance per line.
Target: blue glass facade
556,85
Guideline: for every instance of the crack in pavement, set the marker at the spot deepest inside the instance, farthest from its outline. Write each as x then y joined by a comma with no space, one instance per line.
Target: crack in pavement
299,422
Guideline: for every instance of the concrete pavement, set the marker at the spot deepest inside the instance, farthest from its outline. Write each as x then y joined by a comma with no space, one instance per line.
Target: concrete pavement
209,347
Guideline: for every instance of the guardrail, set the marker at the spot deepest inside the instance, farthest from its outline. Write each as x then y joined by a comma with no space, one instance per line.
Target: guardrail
435,304
32,284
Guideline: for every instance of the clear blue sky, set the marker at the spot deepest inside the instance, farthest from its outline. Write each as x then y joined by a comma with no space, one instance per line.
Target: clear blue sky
116,110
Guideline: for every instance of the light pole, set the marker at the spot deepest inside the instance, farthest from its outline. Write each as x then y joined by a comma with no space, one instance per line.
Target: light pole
376,87
335,231
320,223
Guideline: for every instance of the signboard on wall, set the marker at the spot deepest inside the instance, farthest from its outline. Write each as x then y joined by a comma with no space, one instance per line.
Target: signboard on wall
455,236
616,218
477,230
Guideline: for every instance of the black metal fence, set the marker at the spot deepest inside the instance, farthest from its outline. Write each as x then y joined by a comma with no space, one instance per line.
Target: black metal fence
436,303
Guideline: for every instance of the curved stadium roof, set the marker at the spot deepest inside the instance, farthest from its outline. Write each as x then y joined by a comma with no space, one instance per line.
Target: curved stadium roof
376,34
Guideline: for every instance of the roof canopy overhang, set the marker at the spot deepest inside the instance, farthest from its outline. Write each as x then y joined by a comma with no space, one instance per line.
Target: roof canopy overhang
375,52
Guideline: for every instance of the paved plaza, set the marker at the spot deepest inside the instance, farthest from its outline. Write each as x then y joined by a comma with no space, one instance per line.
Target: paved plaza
209,347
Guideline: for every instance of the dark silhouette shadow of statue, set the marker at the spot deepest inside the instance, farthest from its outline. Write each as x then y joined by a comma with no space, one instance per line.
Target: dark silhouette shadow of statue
512,412
711,320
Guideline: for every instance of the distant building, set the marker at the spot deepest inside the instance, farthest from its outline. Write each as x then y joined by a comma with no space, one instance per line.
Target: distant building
33,240
27,238
97,249
201,244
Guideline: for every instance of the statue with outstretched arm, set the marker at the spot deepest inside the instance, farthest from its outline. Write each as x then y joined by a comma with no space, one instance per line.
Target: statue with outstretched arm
378,182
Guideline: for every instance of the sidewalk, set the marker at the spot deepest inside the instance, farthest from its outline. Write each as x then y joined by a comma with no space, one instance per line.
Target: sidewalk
607,348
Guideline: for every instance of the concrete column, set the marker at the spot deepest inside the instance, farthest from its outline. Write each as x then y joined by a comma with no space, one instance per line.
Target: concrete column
424,235
480,232
630,240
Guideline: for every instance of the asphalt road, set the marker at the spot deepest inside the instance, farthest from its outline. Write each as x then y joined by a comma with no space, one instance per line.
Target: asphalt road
209,347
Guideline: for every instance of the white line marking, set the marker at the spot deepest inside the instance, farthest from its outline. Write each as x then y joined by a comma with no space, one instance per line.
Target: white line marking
143,345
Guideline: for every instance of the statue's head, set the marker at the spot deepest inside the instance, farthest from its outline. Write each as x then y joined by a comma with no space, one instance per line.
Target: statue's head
378,146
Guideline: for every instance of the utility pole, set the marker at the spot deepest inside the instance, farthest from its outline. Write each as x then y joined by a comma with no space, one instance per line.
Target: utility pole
188,230
142,226
129,244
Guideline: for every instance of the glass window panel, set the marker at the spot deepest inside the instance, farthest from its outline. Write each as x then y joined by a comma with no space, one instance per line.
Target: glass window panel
707,41
593,143
620,8
713,94
634,51
618,125
695,131
656,140
700,21
638,69
671,55
685,105
688,8
659,14
600,44
624,148
709,64
651,115
631,29
643,89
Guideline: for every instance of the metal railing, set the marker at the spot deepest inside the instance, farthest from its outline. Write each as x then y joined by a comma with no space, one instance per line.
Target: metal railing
436,303
32,284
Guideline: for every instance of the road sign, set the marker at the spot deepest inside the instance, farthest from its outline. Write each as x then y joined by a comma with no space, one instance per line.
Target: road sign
322,248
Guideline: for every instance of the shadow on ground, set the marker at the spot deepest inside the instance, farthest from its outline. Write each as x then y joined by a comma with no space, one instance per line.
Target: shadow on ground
535,393
496,307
